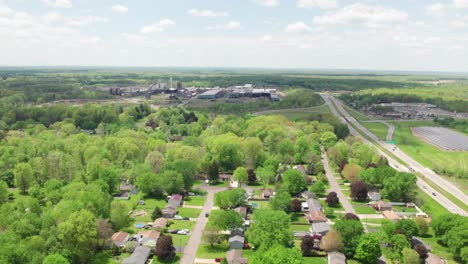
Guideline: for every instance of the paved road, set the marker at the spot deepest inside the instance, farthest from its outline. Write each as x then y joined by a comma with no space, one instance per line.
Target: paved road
334,187
346,118
190,250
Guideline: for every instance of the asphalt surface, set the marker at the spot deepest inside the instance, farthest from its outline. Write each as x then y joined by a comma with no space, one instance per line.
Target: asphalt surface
428,174
190,250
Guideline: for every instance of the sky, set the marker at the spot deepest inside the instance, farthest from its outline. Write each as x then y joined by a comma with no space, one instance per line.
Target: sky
315,34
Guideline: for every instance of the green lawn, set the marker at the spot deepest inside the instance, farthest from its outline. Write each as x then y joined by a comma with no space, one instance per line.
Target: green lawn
379,129
107,258
195,200
189,212
429,155
365,210
356,114
294,227
299,114
430,206
314,260
182,224
179,240
298,218
217,251
399,208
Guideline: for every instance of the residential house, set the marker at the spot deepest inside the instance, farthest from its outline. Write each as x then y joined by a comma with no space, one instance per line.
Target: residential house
241,210
267,193
234,256
120,238
236,242
160,223
307,195
225,177
374,196
237,232
148,238
336,257
127,187
316,217
301,169
391,216
382,206
139,256
320,228
175,200
313,205
169,211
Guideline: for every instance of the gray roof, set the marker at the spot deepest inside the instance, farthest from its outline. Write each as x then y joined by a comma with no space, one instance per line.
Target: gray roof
320,227
237,239
139,256
313,204
336,257
212,92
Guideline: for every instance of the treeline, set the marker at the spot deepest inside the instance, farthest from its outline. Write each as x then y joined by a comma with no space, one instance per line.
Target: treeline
362,99
296,98
458,124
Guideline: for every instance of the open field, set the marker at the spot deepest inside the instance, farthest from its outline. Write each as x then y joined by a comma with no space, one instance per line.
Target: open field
298,114
443,138
443,162
379,129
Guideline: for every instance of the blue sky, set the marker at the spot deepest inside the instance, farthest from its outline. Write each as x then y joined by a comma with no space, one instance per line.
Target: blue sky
320,34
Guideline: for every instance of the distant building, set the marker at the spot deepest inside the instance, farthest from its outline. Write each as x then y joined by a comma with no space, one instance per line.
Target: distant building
312,205
160,223
120,238
267,193
175,200
374,196
382,206
236,242
169,211
391,216
320,228
225,177
316,217
139,256
211,94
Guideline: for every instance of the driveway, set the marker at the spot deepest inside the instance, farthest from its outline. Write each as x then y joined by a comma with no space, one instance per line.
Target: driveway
190,250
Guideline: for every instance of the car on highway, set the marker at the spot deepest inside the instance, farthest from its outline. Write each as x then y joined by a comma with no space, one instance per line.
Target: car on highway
433,194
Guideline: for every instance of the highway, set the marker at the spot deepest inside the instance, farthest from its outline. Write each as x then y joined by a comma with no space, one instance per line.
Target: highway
338,110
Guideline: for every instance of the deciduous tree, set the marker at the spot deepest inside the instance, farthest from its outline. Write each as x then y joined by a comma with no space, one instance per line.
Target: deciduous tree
368,249
265,175
307,246
350,232
225,219
359,191
119,214
23,176
331,241
281,201
296,206
332,199
240,175
165,249
293,181
318,188
277,255
269,227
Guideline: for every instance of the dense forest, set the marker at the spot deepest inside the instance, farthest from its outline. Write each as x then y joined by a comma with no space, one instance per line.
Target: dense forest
65,178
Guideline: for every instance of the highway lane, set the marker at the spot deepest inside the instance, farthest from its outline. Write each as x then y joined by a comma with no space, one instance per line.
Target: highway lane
440,198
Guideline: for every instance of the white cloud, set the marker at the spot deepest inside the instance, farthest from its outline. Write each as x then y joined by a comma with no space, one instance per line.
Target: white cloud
120,9
322,4
268,3
58,3
232,25
460,3
206,13
297,28
85,21
436,10
359,13
158,27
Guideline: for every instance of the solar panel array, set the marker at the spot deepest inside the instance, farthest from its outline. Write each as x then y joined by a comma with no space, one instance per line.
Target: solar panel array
443,138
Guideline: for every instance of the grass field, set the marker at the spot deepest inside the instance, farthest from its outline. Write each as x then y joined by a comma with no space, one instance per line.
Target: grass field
314,260
195,200
217,251
298,114
357,115
379,129
189,212
430,156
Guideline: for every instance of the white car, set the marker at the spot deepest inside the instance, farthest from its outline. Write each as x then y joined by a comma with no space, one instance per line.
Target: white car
183,232
177,217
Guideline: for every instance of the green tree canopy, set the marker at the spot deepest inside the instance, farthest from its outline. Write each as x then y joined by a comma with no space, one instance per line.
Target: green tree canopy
269,228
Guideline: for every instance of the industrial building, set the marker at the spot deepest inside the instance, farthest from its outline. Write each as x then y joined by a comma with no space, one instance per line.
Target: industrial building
211,94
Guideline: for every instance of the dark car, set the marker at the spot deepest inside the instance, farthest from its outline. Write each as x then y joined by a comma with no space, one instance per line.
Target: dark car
186,218
173,231
218,260
246,246
207,214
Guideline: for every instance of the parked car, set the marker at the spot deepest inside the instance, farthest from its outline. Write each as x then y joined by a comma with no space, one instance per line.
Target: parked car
434,194
183,232
178,217
173,231
246,246
185,218
207,214
218,260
